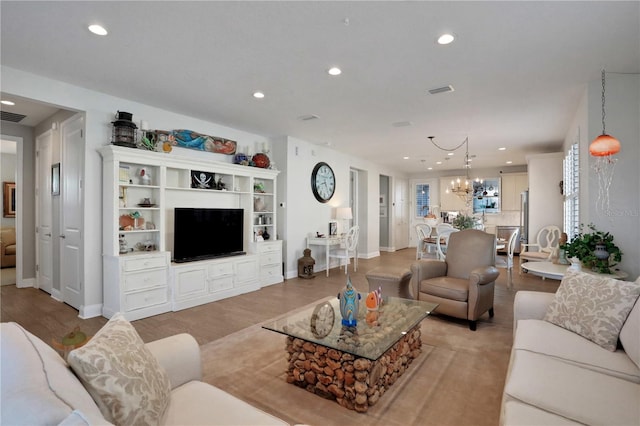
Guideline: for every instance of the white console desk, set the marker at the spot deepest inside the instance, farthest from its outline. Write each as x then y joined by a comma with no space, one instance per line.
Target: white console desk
326,242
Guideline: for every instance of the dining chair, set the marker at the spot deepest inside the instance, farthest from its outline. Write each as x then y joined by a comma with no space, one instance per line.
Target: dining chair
547,243
507,261
347,249
442,241
423,231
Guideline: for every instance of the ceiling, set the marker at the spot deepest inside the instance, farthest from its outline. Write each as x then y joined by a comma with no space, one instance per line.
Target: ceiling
518,68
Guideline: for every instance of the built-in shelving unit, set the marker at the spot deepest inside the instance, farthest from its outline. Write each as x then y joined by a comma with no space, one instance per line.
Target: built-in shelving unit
140,191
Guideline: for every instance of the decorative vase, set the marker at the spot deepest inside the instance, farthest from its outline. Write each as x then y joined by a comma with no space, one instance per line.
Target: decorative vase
601,252
258,204
349,304
261,160
265,234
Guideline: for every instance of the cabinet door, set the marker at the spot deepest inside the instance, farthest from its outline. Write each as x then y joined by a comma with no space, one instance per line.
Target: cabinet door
190,282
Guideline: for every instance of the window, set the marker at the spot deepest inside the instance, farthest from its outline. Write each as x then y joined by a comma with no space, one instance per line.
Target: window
571,190
422,200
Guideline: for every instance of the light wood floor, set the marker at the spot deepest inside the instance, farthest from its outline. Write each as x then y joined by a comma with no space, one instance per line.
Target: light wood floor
36,311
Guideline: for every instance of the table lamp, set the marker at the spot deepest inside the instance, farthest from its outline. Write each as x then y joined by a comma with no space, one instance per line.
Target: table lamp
344,214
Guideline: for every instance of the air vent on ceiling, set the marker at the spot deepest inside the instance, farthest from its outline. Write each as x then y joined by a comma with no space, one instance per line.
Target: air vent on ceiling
308,117
10,116
402,124
443,89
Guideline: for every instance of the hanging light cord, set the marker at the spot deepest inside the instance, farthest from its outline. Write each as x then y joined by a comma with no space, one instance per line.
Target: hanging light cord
447,149
603,131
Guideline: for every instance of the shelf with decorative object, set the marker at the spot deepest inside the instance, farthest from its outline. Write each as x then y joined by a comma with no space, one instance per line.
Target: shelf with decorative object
139,213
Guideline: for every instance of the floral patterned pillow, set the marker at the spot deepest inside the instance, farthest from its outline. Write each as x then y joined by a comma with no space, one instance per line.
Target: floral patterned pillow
593,306
122,375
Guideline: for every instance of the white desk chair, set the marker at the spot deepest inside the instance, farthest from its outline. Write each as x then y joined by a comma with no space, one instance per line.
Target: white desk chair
547,242
442,240
507,261
423,231
350,247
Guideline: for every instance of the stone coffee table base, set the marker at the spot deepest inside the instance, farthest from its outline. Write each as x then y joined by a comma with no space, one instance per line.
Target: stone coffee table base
355,383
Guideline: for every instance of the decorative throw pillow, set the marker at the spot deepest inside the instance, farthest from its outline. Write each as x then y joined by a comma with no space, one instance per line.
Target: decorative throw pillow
122,375
593,306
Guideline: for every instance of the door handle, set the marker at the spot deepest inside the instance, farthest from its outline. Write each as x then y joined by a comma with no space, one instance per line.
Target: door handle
63,236
47,235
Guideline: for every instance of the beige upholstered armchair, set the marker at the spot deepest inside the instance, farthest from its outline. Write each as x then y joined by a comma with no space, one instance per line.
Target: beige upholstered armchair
463,284
8,247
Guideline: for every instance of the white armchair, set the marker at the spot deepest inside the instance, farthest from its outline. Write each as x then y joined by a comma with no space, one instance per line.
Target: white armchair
547,242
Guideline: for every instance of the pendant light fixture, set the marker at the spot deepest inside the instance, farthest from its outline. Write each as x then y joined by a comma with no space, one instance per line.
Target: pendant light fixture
604,145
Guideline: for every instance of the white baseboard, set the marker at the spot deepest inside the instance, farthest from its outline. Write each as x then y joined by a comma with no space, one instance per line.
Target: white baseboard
26,282
90,311
56,295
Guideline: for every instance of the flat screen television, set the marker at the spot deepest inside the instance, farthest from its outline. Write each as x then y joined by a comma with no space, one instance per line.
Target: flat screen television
207,233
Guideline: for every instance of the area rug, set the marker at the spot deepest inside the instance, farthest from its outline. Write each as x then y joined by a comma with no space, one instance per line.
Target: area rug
457,380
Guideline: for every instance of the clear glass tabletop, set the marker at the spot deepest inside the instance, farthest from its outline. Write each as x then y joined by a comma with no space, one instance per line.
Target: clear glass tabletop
396,317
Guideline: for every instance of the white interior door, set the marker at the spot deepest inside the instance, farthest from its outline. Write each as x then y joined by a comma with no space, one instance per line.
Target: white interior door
400,213
71,243
44,213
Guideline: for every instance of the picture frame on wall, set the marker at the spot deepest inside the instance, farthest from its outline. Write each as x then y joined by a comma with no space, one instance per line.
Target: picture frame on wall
9,199
333,228
203,180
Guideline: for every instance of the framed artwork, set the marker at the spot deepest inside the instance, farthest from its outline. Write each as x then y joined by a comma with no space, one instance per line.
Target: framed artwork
333,228
9,199
55,179
203,180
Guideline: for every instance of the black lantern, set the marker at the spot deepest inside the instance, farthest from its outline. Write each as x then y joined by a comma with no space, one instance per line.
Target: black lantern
124,130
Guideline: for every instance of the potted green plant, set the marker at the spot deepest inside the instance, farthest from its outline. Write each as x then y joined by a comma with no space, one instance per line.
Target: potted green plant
595,249
462,221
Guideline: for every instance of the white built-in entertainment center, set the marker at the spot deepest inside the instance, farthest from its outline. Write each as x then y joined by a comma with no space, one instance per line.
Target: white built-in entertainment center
141,189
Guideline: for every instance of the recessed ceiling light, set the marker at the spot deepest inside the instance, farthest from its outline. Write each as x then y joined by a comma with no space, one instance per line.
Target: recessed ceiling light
98,30
450,153
446,39
438,162
429,168
405,158
502,148
334,71
509,162
7,103
258,95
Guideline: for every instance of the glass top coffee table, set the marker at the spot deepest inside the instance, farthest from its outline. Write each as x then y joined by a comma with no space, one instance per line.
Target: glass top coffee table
352,365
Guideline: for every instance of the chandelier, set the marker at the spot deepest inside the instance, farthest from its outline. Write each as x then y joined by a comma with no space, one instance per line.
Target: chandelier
464,190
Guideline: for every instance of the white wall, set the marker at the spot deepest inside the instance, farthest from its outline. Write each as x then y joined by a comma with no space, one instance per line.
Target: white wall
622,121
7,174
545,200
302,214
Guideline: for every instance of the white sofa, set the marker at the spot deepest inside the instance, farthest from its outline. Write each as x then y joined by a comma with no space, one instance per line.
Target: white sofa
39,388
557,377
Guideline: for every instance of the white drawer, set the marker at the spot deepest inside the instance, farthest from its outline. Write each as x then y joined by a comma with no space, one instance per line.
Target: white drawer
146,262
264,247
271,271
145,279
218,284
221,269
145,299
271,258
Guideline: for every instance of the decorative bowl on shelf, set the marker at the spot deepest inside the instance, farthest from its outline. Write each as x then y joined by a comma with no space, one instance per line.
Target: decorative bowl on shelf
146,205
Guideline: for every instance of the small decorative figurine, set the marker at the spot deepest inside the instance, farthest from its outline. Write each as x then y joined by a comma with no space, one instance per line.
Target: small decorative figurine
145,178
373,302
349,304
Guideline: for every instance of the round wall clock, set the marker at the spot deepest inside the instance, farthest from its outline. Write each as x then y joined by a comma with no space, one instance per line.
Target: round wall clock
322,320
323,182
